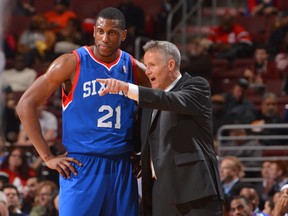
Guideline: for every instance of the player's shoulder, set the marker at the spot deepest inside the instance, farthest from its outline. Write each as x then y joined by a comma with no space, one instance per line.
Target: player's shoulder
125,55
66,58
64,65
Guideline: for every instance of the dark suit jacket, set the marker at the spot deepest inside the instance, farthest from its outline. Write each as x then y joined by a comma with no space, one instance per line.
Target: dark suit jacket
180,142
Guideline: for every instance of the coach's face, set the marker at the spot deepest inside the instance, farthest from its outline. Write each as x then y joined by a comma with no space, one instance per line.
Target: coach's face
159,69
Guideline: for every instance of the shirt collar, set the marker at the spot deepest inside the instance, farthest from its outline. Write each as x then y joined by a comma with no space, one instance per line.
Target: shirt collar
228,186
173,83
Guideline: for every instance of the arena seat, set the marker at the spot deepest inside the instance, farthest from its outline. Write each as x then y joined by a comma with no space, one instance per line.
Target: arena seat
258,26
17,24
275,86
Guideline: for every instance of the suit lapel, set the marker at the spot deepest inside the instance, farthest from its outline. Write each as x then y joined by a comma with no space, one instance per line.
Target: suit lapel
147,115
184,77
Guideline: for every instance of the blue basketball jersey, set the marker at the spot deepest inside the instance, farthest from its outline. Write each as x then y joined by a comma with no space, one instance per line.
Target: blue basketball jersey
93,123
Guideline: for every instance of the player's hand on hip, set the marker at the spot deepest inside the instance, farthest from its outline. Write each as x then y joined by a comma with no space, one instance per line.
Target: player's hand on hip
63,165
113,86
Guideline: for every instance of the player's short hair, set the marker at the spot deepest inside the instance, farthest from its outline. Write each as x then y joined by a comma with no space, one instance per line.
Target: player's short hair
113,14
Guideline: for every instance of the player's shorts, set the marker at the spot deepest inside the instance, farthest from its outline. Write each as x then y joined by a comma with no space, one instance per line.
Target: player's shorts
104,186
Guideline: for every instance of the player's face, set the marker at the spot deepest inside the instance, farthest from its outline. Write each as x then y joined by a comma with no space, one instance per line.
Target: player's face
108,37
157,70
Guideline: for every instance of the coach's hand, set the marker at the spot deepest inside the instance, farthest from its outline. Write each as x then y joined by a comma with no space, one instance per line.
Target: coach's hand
113,86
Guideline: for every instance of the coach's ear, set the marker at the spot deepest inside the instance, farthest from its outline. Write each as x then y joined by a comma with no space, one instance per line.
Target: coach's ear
171,65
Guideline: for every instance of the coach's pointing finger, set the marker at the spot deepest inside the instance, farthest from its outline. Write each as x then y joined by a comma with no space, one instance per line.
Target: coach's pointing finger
113,86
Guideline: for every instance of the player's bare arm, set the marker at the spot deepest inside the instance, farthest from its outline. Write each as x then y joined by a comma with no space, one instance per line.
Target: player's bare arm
61,70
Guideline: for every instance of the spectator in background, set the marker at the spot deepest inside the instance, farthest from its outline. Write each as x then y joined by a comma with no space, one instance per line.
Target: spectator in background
262,7
14,200
281,206
20,77
277,34
4,178
268,206
10,122
3,204
279,172
238,105
24,7
229,40
9,44
252,195
240,206
69,38
37,41
45,194
275,198
59,16
281,61
231,174
200,62
266,184
55,204
262,70
269,114
135,23
29,194
281,58
241,149
88,28
219,112
17,167
161,18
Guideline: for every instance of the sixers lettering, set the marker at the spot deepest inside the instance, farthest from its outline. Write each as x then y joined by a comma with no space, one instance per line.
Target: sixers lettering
90,88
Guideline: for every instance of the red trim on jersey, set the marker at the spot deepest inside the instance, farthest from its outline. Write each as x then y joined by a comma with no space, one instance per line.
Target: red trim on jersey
107,65
134,69
66,99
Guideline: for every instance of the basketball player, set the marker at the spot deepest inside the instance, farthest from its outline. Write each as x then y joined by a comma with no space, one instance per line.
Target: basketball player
96,174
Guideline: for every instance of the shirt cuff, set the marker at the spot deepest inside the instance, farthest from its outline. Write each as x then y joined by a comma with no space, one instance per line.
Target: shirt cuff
133,92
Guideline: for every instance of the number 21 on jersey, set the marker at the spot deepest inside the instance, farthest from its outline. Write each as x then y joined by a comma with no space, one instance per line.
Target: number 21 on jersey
105,121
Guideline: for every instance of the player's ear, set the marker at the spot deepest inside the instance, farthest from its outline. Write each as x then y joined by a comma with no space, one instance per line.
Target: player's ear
123,35
94,31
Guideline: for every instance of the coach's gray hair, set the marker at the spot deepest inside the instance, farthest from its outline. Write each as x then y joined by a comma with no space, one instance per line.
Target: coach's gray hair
166,48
